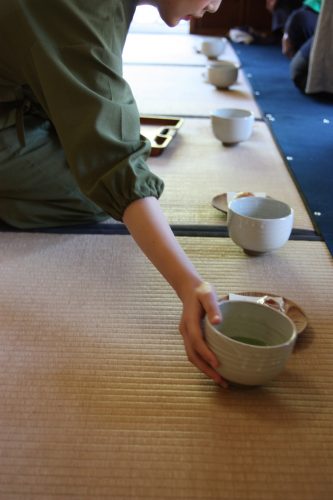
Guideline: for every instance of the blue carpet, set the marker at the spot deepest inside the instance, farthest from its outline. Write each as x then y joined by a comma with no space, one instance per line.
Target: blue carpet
302,126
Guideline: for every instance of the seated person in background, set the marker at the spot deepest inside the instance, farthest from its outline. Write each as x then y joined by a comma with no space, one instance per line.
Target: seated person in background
280,10
297,39
299,65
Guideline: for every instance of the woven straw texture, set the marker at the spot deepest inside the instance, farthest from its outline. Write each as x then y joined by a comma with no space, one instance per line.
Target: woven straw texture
186,93
196,167
163,49
99,401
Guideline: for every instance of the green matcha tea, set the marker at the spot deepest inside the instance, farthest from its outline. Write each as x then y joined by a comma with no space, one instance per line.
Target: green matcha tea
247,340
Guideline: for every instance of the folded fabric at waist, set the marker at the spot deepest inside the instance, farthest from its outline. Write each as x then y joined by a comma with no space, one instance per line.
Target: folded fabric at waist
12,113
7,114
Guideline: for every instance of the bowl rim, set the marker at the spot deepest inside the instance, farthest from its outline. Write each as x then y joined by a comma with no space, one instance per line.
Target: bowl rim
240,113
291,340
222,63
267,201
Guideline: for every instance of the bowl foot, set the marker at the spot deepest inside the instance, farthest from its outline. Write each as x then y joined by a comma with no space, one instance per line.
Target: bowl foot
253,253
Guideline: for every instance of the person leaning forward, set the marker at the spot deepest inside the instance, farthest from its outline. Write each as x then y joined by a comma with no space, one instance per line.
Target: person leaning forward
70,144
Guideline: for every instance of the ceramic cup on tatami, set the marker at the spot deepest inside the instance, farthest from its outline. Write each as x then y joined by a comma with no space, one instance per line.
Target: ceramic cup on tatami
252,343
222,74
213,47
258,224
231,125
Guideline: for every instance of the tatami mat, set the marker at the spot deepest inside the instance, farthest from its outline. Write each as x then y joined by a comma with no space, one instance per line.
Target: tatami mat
169,49
181,90
99,401
196,167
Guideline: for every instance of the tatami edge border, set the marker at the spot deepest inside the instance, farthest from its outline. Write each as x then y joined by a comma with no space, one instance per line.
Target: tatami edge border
193,230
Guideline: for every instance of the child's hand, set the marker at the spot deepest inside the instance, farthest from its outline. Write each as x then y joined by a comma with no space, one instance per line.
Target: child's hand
196,303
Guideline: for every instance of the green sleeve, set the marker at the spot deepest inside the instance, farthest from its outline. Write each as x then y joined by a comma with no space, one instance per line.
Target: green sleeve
69,52
97,121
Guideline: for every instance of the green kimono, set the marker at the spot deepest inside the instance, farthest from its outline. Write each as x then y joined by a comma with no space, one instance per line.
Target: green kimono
79,156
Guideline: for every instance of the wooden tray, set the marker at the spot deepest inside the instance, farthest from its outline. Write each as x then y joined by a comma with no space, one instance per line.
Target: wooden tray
160,130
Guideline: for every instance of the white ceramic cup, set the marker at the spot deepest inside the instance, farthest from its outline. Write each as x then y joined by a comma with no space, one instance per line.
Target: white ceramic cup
213,47
231,125
259,224
222,74
252,343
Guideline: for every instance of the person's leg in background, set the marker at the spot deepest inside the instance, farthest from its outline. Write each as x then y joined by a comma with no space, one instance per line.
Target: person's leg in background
281,10
299,65
297,42
300,26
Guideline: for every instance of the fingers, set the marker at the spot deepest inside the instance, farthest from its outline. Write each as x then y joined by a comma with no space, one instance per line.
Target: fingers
211,307
208,300
203,302
201,356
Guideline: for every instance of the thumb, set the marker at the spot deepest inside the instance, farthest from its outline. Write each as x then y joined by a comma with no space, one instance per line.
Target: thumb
209,302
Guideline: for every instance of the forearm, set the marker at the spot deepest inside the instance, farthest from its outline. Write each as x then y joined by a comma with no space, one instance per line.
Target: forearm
151,231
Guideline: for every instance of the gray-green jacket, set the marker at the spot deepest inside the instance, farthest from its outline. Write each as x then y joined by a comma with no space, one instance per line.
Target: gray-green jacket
69,53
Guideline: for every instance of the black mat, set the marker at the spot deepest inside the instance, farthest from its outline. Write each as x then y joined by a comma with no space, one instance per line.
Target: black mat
199,230
302,126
